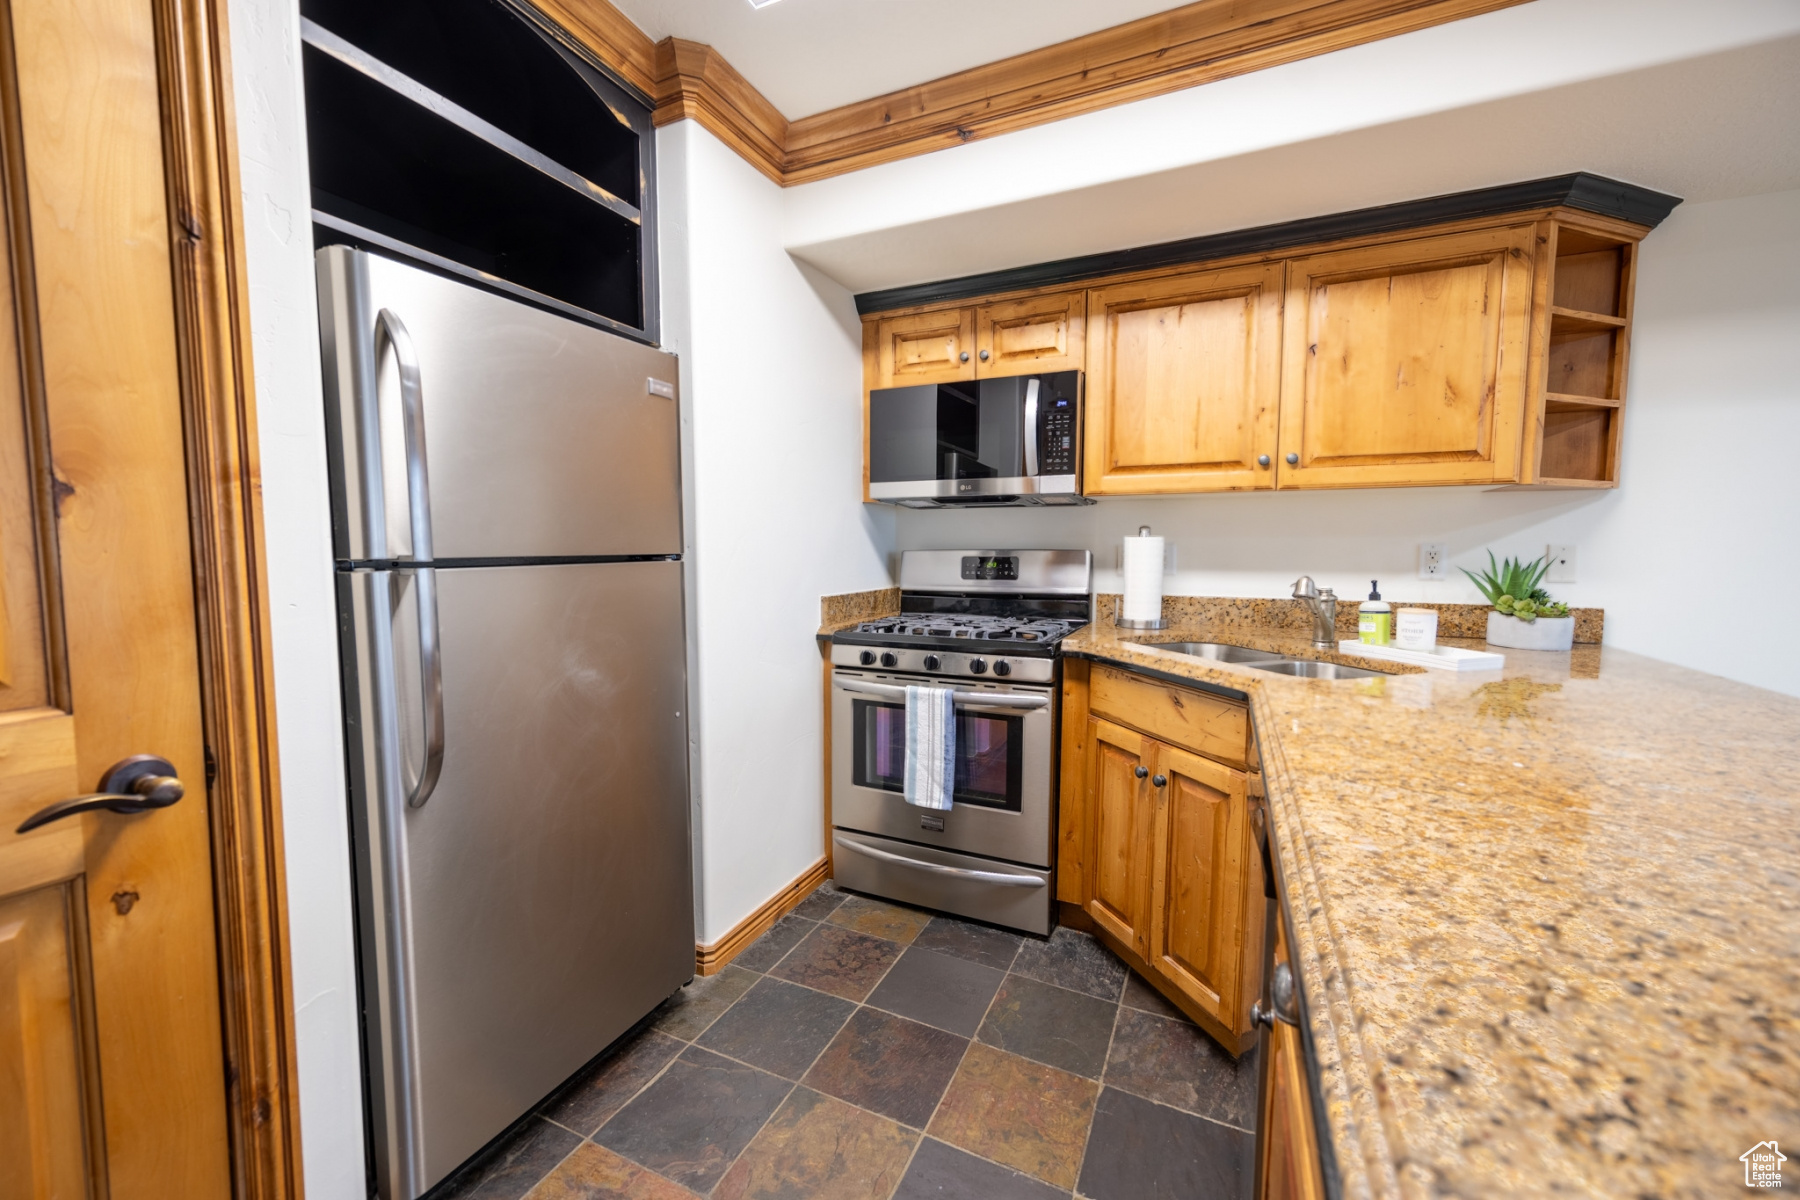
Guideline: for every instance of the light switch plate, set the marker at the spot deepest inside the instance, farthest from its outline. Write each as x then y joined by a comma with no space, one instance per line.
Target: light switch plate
1434,560
1562,564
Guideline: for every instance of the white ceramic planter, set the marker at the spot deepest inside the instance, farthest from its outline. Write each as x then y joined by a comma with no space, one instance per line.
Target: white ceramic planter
1545,633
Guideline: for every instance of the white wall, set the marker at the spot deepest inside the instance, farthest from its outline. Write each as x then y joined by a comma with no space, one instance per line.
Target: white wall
1672,95
265,49
769,351
1706,514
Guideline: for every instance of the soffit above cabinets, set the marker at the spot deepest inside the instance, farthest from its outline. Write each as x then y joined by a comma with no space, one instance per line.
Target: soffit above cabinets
810,55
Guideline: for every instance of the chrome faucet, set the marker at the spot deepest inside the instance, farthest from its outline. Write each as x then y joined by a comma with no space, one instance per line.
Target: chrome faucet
1323,603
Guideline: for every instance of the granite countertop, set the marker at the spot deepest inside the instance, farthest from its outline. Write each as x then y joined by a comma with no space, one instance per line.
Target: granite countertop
1547,919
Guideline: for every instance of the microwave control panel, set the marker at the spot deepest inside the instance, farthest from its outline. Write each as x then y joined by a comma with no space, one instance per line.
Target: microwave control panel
1057,438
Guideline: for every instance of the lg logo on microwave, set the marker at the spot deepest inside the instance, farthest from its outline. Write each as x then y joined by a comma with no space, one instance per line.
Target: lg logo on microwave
965,487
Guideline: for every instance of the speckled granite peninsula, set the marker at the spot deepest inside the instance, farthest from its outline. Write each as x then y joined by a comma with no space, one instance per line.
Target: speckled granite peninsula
1547,919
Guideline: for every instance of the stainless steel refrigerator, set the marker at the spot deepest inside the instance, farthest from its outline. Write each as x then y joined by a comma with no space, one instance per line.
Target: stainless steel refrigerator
507,523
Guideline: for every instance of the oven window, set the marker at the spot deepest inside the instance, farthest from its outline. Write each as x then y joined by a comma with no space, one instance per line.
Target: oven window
990,754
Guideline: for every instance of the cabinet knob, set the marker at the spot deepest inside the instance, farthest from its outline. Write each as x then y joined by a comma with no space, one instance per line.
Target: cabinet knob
964,356
1140,772
1293,459
1159,780
984,356
1262,460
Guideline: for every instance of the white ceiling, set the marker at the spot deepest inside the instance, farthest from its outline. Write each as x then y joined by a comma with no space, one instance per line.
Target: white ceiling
810,55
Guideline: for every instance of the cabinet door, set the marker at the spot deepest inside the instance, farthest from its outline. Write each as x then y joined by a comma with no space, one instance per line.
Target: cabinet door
1289,1147
1200,882
933,347
1405,363
1184,378
1123,808
1024,337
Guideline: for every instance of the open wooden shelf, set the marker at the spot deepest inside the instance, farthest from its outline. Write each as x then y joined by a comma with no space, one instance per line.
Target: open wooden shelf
1558,402
1586,340
1573,320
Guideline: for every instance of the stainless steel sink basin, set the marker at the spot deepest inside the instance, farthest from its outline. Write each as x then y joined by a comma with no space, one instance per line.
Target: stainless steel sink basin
1217,651
1308,669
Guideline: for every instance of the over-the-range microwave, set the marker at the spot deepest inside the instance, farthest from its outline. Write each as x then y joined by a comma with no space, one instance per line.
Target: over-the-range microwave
1014,440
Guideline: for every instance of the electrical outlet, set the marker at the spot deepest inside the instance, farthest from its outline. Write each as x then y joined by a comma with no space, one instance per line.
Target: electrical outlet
1434,560
1562,564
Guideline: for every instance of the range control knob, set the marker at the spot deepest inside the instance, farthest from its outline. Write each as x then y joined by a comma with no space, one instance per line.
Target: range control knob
978,666
932,662
1002,667
866,658
890,659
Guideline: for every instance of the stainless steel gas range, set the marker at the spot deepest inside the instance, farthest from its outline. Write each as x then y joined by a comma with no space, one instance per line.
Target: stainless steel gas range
986,623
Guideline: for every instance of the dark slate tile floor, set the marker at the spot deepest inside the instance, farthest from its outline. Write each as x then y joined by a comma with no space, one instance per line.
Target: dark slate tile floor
862,1050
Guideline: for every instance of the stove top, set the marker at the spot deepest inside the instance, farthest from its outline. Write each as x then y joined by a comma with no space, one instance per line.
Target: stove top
1017,603
1012,634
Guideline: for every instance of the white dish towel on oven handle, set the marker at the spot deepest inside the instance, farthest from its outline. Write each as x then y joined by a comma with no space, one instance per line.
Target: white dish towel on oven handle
930,746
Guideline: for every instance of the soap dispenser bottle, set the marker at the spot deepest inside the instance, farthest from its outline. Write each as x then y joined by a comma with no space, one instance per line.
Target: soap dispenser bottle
1374,619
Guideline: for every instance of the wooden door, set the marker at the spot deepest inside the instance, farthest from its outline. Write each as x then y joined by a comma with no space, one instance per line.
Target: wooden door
112,1080
1406,363
933,347
1026,337
1201,876
1184,377
1123,810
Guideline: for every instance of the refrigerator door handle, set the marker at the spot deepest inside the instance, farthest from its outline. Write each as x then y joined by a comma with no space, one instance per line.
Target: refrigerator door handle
431,684
389,328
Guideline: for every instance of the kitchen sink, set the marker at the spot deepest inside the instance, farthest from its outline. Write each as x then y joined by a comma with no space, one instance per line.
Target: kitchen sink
1309,669
1217,651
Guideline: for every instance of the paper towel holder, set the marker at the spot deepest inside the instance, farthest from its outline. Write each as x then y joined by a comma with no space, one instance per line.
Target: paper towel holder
1157,623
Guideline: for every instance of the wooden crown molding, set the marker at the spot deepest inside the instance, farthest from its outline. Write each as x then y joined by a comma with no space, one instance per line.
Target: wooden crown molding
1182,48
694,82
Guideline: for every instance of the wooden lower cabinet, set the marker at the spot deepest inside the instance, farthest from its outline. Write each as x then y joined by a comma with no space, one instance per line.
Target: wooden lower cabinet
1157,849
1200,882
1124,831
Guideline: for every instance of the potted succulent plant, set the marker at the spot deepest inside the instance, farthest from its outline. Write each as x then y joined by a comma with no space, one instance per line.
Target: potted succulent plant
1524,616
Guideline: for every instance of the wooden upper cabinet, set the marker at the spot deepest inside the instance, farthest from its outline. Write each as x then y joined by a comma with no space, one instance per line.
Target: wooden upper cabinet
931,347
1405,363
1025,337
1184,382
1123,811
1202,877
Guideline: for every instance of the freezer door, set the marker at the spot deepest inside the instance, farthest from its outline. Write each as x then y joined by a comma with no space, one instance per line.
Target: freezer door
538,901
542,437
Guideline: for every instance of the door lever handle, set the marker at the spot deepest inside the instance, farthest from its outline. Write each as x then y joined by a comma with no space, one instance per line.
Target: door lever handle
132,785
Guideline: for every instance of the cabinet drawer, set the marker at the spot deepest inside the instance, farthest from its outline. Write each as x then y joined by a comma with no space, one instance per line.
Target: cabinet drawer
1193,720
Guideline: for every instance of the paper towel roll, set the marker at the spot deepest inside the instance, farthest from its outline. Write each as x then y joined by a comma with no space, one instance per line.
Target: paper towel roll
1143,562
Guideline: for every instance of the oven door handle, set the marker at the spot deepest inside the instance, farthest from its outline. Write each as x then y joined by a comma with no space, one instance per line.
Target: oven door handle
888,691
1003,878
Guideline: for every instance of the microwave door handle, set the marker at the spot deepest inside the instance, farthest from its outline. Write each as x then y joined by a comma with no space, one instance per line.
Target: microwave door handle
1031,426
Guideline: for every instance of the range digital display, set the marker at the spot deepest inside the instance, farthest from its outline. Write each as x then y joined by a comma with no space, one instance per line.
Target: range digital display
1002,567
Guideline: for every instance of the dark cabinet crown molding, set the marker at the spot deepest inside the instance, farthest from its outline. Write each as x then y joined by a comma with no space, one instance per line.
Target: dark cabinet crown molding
1589,193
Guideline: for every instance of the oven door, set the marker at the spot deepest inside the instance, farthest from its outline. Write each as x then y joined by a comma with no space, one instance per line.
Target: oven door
1005,752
